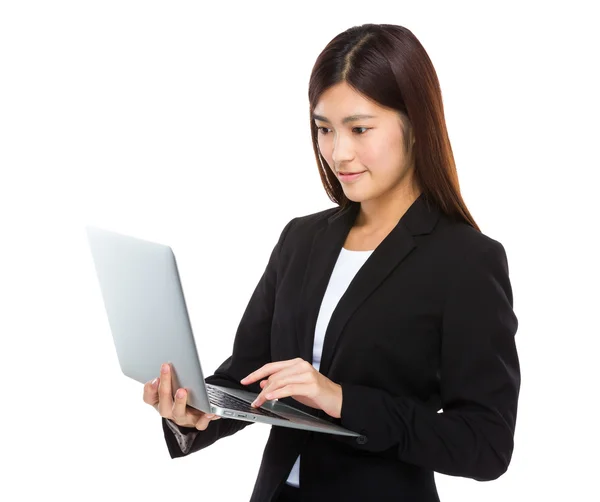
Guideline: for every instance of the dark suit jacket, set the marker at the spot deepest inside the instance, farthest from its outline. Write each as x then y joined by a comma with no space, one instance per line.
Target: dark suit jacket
426,324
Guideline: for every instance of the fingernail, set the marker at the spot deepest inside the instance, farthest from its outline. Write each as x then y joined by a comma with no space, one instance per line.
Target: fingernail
154,382
253,403
210,416
165,368
180,393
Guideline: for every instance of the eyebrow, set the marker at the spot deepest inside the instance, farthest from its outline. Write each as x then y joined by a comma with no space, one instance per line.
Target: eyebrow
351,118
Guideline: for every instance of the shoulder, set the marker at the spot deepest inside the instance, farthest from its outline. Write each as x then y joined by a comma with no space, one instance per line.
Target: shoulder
463,245
315,219
463,236
306,224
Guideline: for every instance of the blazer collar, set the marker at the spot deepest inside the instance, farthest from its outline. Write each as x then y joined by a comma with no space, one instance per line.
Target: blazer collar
420,219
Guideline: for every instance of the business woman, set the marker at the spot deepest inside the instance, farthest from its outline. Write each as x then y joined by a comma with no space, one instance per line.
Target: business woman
390,314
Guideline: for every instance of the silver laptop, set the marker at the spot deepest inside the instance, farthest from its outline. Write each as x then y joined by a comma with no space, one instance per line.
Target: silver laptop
148,318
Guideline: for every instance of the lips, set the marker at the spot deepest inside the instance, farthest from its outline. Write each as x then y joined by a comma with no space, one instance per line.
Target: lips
351,177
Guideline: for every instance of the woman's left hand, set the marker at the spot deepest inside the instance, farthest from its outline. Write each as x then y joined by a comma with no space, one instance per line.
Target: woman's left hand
300,380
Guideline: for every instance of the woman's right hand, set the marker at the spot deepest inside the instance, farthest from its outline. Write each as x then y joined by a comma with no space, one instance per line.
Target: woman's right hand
158,394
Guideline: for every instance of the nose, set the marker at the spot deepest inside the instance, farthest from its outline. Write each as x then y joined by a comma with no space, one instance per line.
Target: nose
342,150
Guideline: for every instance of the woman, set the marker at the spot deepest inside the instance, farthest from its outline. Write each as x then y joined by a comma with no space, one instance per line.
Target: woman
379,313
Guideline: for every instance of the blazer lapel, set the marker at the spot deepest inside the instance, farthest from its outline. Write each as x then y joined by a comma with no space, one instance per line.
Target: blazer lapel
420,218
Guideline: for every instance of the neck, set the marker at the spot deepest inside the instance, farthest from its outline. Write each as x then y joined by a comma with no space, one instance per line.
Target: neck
385,212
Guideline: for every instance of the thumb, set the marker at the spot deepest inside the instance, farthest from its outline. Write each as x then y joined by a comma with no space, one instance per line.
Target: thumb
151,392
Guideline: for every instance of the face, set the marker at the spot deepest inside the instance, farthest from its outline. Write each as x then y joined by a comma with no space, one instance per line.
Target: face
373,144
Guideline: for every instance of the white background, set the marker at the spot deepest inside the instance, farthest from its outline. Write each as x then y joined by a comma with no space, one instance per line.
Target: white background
188,124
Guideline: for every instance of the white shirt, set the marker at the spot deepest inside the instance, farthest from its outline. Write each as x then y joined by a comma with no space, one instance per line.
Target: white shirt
347,265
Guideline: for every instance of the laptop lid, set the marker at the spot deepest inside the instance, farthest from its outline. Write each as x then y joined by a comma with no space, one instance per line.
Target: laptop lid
146,311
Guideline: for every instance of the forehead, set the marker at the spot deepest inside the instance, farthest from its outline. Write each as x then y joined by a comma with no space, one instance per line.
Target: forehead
341,100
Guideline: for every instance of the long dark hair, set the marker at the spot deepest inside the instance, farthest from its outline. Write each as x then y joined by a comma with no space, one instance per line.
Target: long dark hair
389,65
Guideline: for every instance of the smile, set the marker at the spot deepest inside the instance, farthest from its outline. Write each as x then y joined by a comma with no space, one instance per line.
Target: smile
346,178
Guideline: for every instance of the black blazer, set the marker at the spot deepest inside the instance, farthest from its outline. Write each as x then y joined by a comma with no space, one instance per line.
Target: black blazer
426,324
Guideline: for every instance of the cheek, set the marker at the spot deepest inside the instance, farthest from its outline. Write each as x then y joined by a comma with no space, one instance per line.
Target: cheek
384,156
376,154
373,154
370,155
326,151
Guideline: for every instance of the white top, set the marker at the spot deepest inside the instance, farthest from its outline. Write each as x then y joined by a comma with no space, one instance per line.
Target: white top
346,267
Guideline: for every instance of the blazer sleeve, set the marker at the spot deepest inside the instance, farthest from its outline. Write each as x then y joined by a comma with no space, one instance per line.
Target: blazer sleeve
251,350
479,384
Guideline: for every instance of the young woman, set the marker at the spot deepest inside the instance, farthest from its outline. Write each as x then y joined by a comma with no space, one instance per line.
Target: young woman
377,314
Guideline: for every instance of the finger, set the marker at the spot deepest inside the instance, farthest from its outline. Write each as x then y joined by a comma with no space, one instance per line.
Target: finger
179,406
298,373
151,392
283,380
259,401
268,369
165,395
288,391
269,392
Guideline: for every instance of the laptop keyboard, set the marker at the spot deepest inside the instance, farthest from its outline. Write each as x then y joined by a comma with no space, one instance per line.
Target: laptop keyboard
223,400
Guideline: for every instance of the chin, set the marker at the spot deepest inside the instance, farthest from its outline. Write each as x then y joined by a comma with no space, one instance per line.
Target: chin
356,196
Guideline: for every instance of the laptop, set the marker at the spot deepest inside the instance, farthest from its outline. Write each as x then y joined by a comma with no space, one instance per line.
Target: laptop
147,314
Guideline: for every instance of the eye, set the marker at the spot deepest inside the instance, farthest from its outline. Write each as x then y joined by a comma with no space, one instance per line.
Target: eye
324,130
